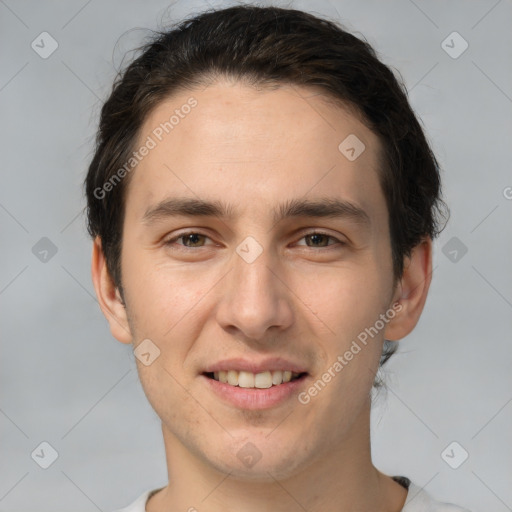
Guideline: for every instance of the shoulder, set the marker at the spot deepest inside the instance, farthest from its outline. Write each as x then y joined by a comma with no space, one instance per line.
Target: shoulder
139,505
419,500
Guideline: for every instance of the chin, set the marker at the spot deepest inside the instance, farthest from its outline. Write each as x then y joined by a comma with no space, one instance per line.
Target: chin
265,464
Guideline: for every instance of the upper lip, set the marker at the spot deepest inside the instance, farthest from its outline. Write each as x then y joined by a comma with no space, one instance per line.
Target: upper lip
253,366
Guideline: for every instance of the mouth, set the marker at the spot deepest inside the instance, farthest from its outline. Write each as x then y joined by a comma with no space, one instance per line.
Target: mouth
255,391
249,380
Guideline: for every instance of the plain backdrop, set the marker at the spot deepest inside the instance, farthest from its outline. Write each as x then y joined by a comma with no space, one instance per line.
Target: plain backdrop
65,381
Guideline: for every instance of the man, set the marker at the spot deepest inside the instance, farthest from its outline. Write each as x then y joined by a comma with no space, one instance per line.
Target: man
263,202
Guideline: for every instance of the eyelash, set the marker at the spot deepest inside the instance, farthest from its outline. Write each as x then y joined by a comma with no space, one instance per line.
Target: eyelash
171,241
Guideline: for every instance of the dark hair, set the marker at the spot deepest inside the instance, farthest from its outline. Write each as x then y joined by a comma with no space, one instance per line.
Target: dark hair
266,47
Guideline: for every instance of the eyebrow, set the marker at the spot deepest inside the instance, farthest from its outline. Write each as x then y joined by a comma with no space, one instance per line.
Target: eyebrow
320,208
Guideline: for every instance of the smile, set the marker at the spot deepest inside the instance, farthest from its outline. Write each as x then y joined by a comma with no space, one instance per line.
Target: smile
262,380
255,391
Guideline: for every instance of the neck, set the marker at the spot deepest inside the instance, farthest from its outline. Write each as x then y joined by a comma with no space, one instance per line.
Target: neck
342,479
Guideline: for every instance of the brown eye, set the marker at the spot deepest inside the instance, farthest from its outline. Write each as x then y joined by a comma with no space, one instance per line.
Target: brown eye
317,239
320,240
190,239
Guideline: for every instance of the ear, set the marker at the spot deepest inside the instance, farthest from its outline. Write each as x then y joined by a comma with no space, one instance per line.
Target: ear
109,298
411,292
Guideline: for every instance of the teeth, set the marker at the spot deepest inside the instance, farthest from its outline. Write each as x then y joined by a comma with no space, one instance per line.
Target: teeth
233,378
245,380
261,380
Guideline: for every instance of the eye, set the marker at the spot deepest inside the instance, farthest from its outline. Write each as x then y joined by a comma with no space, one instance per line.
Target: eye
191,237
318,238
194,238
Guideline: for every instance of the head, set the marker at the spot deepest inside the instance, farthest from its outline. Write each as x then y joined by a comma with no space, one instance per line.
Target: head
260,109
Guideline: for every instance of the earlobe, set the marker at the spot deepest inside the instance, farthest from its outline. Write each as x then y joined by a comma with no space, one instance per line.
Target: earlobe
411,292
109,297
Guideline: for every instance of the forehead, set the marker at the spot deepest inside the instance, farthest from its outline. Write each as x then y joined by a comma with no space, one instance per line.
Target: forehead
256,147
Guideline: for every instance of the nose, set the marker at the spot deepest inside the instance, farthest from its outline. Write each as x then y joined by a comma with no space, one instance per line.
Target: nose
255,298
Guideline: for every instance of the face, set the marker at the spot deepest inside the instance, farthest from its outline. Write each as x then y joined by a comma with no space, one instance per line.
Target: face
271,286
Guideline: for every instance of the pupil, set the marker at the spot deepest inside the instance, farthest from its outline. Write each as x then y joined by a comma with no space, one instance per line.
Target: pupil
193,236
315,237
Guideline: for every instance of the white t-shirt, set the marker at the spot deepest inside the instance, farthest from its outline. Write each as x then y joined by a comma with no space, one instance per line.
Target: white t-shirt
418,500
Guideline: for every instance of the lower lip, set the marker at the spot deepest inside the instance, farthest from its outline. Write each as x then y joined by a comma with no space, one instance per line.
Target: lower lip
254,398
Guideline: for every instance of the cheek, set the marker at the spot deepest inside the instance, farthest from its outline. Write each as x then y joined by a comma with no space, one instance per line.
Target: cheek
160,295
344,300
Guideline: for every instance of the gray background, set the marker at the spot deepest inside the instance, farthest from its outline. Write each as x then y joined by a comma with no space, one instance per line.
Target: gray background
66,381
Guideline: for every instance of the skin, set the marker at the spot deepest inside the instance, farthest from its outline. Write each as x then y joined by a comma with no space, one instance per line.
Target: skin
305,299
